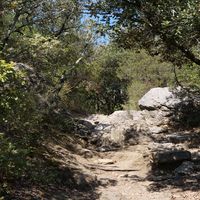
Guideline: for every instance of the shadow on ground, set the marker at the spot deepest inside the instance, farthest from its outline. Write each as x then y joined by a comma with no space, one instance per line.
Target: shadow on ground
164,180
55,174
165,176
62,183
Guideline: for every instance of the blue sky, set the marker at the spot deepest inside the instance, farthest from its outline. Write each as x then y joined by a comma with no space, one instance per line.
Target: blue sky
101,40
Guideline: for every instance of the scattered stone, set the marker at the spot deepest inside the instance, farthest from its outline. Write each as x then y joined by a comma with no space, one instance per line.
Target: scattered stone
99,127
178,180
130,127
104,182
107,148
172,156
146,155
126,127
162,147
157,130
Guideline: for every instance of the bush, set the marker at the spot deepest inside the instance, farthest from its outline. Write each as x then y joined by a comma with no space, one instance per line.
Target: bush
17,102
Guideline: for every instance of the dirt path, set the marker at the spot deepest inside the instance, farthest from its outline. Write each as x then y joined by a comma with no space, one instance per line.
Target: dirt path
126,174
123,175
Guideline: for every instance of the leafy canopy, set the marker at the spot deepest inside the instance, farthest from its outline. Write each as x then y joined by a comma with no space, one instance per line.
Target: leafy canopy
164,27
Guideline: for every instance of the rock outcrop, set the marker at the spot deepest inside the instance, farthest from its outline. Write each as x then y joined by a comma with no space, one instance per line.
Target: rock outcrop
159,98
128,127
171,156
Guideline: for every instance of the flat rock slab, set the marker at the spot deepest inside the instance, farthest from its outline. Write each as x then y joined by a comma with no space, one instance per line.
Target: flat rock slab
171,156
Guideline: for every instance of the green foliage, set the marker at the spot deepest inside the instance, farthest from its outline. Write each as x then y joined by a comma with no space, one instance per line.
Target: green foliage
189,76
12,159
122,77
47,17
111,89
164,28
144,73
17,103
44,37
50,44
17,119
118,77
11,83
167,28
103,90
64,71
13,163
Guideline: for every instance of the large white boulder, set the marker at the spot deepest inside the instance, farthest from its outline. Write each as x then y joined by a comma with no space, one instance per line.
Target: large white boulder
158,98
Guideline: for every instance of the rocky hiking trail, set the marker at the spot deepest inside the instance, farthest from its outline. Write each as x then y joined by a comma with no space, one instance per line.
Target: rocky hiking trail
123,177
127,174
128,155
139,155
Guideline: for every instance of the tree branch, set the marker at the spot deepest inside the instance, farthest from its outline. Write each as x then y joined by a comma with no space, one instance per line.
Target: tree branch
171,41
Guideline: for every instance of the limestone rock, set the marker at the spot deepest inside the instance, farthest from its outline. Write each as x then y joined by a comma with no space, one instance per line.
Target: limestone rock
158,98
161,147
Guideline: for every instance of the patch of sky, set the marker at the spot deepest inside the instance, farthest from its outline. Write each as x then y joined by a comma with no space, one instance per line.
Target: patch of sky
101,38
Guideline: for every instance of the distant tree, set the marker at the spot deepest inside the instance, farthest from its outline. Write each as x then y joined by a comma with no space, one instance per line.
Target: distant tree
112,89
